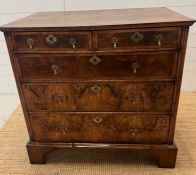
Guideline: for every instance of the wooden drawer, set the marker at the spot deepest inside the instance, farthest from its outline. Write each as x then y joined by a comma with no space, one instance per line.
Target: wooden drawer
45,67
149,38
101,128
51,41
135,97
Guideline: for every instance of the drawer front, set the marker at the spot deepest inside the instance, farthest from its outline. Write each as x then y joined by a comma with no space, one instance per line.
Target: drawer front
150,38
135,97
36,67
101,128
51,41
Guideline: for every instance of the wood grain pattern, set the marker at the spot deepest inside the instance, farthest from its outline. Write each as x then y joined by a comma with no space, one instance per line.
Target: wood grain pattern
63,127
135,97
37,67
98,19
169,39
83,41
178,83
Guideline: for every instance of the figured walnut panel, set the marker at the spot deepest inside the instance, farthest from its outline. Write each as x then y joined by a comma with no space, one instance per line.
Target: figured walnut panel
110,128
135,97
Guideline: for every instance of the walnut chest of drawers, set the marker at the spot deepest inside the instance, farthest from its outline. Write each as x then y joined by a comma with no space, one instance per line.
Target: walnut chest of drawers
100,79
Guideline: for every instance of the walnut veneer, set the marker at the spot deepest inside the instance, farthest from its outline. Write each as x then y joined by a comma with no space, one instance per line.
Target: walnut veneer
100,79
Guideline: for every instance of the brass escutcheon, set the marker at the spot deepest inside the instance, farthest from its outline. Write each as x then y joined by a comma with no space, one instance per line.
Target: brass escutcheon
59,98
137,37
95,60
133,98
97,119
95,88
51,39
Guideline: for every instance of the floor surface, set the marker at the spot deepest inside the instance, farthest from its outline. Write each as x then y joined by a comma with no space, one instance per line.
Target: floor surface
8,103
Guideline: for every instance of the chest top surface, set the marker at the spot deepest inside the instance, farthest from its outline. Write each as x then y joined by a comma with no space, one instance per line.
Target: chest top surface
93,19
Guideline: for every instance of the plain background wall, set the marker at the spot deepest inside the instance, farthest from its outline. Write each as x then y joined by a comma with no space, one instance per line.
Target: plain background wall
11,10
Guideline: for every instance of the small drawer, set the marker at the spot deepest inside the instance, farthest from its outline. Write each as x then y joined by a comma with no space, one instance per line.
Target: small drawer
137,66
132,97
51,41
142,39
100,128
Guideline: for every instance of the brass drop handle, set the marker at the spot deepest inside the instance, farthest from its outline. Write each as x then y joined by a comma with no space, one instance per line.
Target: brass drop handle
51,39
134,130
159,43
30,42
135,66
64,131
95,88
59,98
55,68
97,119
133,98
159,38
72,41
114,42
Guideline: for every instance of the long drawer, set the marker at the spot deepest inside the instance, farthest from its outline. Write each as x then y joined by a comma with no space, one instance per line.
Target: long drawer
101,128
50,67
135,97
